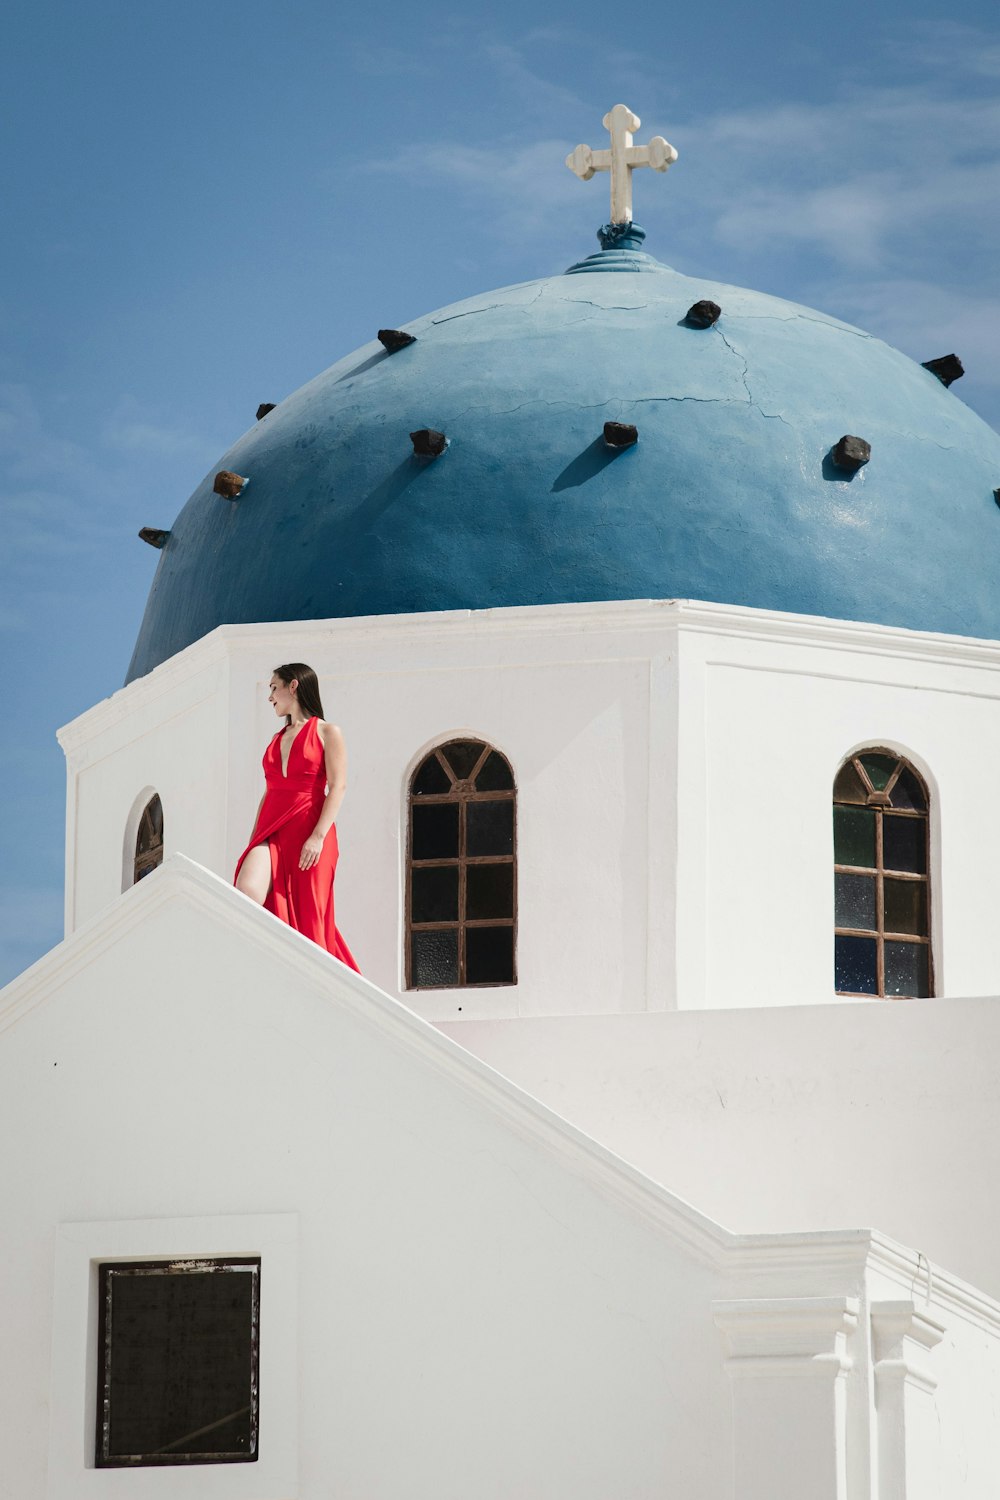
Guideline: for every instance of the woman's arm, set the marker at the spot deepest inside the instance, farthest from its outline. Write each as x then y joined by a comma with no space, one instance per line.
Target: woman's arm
336,777
256,820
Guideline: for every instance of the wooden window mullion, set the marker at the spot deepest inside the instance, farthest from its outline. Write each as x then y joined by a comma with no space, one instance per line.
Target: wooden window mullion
463,845
880,904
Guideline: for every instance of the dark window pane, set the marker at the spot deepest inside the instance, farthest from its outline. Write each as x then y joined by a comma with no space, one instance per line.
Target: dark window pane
906,969
854,836
855,966
490,827
495,775
155,814
462,755
431,778
434,894
434,959
855,901
178,1365
435,830
149,840
906,906
848,786
489,891
489,955
879,769
904,843
908,793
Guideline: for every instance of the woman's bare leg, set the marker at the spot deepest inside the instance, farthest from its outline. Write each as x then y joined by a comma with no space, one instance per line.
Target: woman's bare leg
255,874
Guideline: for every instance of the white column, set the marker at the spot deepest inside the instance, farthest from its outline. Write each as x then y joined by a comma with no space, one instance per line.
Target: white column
787,1358
908,1438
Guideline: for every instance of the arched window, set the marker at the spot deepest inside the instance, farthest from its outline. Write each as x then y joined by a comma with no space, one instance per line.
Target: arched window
149,840
881,846
461,869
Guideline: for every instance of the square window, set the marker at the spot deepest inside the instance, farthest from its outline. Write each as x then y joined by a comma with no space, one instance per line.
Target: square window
178,1362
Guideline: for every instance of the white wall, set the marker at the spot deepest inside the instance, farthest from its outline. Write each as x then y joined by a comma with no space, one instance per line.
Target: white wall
674,764
175,741
473,1298
789,1118
474,1318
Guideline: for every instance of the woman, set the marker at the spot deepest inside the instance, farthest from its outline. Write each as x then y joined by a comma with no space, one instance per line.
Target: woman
289,864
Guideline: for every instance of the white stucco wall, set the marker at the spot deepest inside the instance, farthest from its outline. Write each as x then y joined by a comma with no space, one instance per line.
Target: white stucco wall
788,1118
474,1318
475,1298
674,764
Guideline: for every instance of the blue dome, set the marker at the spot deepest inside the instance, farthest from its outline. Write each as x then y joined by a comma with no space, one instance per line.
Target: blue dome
729,495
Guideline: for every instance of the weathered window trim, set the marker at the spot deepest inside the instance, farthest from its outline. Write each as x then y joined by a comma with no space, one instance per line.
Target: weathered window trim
108,1272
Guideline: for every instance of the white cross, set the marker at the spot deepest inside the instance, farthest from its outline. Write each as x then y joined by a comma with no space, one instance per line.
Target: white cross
621,159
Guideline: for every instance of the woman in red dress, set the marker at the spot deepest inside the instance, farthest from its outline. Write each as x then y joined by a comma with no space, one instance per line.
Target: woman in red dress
289,864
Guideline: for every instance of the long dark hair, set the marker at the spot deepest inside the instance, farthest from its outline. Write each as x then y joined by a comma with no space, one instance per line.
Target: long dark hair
308,688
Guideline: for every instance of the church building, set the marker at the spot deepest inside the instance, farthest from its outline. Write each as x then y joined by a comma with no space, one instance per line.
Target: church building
653,1154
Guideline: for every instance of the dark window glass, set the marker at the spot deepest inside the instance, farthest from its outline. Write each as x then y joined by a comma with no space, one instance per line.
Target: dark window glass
434,959
177,1381
906,969
155,814
490,827
462,755
908,793
878,769
435,830
149,840
848,786
854,836
434,894
855,901
489,955
904,842
495,775
432,778
905,906
856,964
489,891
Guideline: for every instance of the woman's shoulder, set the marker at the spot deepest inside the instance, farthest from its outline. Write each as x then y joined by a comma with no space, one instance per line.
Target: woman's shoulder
328,731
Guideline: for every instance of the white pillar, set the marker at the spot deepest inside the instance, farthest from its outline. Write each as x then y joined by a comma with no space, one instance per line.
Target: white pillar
908,1438
787,1358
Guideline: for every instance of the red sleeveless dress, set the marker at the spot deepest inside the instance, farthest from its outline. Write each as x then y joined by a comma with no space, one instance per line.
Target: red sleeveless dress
290,812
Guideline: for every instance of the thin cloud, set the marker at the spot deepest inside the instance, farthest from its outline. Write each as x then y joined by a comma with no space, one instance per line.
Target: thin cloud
131,429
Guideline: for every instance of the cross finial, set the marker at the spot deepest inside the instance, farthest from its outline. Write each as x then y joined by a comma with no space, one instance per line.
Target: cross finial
621,159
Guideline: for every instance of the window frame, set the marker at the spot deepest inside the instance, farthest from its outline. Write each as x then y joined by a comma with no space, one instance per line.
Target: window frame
879,801
221,1265
461,793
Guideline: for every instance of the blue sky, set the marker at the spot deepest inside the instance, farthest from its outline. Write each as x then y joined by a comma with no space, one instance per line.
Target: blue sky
206,204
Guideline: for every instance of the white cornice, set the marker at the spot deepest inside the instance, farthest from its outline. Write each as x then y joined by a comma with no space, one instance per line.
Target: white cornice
778,1336
630,616
745,1260
178,671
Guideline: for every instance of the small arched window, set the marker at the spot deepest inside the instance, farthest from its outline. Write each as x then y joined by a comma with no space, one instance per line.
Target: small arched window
881,856
461,869
149,840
